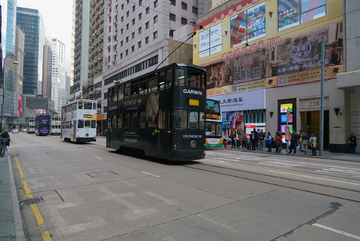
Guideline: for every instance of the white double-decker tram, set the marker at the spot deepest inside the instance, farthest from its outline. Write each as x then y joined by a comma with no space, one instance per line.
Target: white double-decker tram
55,125
78,121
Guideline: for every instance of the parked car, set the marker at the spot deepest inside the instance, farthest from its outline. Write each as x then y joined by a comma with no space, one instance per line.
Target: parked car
15,131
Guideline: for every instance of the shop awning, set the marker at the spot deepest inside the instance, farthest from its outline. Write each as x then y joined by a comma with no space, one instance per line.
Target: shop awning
101,117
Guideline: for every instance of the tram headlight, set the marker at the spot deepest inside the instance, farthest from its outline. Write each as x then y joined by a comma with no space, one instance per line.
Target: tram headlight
193,144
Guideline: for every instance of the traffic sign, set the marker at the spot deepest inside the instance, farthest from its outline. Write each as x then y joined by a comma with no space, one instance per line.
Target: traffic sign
287,133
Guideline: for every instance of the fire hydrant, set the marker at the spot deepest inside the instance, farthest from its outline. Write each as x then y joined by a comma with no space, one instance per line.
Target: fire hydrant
225,144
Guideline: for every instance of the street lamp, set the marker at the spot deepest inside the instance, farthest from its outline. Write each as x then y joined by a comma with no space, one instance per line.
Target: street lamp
2,90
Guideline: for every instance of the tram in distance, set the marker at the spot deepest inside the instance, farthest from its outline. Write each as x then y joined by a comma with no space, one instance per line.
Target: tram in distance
42,124
78,121
161,114
55,125
213,124
31,126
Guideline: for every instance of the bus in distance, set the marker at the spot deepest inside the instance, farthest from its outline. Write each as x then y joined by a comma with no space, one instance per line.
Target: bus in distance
42,124
213,124
55,125
160,114
78,121
31,127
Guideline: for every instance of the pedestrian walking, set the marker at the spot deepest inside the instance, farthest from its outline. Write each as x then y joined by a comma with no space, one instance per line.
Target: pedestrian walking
278,141
268,141
254,137
261,140
237,139
5,138
232,136
293,142
312,144
352,142
243,140
300,140
304,141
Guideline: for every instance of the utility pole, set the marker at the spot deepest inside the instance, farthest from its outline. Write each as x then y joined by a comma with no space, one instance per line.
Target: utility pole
321,137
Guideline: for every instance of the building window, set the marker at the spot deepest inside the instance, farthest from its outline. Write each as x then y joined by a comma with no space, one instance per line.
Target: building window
109,59
121,43
132,48
122,6
195,10
109,29
126,52
183,5
183,21
251,25
122,18
127,1
140,2
173,2
147,25
121,56
122,31
127,14
292,13
110,19
139,44
155,4
147,10
139,30
133,8
140,16
146,40
127,39
127,26
156,19
133,35
172,17
133,21
155,34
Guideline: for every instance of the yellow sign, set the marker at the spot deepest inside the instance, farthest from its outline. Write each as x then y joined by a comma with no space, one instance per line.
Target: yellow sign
213,116
194,102
87,116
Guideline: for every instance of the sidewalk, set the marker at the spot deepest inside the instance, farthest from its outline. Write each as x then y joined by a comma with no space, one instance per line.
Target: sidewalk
10,220
326,155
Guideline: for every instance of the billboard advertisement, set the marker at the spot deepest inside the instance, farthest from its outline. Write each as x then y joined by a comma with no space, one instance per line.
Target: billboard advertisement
19,109
246,57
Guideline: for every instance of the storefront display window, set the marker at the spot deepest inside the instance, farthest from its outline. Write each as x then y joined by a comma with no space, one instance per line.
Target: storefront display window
294,12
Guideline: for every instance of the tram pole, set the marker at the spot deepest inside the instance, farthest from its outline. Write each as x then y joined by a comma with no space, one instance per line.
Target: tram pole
321,137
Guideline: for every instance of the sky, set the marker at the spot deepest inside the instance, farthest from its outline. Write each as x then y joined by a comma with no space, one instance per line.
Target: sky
57,16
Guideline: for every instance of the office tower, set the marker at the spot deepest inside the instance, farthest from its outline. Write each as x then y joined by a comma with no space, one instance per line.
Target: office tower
32,24
47,69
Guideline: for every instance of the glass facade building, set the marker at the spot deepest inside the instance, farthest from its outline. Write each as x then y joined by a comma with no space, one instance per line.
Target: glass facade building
32,24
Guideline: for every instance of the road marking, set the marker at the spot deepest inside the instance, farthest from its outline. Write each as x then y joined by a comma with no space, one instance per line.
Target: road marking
168,202
150,174
72,149
337,231
46,235
98,157
318,178
34,208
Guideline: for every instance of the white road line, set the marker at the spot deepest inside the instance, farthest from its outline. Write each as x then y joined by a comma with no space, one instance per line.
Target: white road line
318,178
98,157
150,174
72,149
337,231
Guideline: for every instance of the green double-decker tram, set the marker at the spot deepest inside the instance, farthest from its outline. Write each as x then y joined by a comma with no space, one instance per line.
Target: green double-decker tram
160,114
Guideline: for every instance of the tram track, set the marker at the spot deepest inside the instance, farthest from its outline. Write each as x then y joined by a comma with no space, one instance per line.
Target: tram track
293,184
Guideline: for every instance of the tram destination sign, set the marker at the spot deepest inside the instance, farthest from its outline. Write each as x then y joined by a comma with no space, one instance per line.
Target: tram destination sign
193,102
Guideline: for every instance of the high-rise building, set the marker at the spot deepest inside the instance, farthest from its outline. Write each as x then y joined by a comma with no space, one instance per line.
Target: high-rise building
81,47
47,68
32,24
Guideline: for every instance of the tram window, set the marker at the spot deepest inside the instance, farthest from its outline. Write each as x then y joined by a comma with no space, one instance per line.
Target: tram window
113,123
127,120
142,120
110,95
153,84
168,78
180,77
109,122
134,120
120,117
134,88
87,105
94,106
193,79
80,105
162,80
93,124
164,119
202,120
180,119
121,92
87,124
203,81
193,120
127,90
80,124
143,87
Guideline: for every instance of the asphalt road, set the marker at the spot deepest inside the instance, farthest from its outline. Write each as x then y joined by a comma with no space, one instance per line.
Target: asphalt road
89,192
